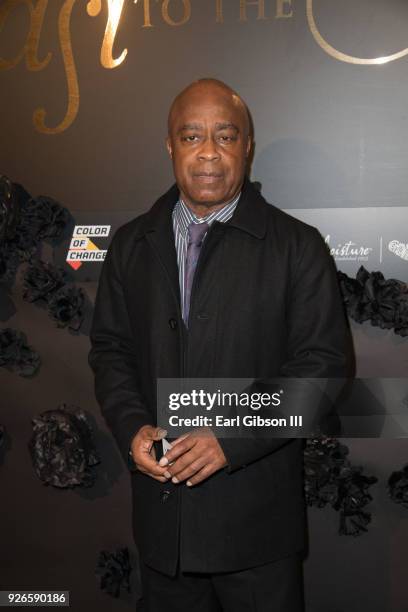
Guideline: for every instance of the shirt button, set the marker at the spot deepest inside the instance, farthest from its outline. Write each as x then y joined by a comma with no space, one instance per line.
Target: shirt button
173,323
165,495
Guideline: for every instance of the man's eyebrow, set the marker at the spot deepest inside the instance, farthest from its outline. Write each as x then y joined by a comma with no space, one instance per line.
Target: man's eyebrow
226,126
190,126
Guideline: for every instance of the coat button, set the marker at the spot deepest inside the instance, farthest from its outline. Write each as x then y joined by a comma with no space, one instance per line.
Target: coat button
173,323
165,495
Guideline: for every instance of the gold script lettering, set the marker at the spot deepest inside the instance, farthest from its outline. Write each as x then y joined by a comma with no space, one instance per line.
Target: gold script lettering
186,13
281,6
219,17
115,8
30,49
146,9
243,7
70,70
339,55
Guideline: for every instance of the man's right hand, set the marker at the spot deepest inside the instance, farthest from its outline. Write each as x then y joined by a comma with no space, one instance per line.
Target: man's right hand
144,455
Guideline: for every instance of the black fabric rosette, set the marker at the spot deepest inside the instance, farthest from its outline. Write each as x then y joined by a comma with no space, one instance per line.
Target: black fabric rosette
62,449
66,307
114,570
323,460
371,297
24,223
9,262
12,198
352,498
40,219
41,280
44,218
398,486
65,302
331,479
16,355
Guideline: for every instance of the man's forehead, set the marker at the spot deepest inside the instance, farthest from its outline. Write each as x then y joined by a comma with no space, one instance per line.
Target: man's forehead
208,101
200,110
209,97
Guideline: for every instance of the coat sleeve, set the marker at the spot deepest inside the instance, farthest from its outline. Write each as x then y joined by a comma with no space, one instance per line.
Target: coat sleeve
112,357
318,341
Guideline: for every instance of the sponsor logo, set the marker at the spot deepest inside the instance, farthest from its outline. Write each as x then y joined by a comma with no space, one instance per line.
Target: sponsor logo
349,251
82,248
399,249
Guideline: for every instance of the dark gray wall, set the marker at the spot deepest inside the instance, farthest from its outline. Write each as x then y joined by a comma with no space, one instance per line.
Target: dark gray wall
329,134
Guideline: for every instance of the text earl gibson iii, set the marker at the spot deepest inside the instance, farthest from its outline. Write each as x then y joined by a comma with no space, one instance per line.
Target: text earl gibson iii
236,421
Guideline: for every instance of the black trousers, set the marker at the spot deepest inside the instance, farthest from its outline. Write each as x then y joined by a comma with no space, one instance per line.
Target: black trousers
274,587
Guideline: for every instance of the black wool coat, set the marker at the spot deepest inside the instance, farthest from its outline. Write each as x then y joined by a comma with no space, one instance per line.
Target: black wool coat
265,302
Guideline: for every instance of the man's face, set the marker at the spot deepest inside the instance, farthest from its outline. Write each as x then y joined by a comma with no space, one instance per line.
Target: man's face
209,144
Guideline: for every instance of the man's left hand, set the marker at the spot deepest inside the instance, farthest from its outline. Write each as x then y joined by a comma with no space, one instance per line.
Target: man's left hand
194,457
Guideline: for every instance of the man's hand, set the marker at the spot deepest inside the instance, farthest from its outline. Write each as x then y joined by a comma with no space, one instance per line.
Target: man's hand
144,455
195,456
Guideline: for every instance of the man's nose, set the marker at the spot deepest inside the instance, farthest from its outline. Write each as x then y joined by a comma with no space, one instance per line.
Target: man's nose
208,151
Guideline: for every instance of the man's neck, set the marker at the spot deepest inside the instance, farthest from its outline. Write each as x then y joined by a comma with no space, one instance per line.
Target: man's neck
202,210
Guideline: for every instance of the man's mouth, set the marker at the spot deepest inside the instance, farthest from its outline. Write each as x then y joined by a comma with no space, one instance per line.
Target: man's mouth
207,177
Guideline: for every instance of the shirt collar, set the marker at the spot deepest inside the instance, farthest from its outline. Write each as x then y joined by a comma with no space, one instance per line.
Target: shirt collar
183,215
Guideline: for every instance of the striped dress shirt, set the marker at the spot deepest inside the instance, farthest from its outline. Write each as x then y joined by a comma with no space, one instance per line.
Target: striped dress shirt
182,217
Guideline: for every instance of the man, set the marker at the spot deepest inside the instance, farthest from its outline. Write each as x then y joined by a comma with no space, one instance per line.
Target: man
213,282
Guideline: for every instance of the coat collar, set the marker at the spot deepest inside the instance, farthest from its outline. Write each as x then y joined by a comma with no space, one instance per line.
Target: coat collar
249,216
251,212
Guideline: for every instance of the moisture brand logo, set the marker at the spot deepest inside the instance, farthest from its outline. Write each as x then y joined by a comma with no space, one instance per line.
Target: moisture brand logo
349,251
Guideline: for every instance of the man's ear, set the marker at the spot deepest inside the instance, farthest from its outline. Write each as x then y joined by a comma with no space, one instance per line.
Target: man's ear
248,147
169,147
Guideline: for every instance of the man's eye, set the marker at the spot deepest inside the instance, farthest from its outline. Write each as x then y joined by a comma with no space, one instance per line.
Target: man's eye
191,138
227,138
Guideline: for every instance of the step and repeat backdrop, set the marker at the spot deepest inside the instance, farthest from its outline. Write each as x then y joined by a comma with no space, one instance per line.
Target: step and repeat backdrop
85,91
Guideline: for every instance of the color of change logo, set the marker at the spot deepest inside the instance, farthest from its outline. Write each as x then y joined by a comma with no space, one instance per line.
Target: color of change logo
82,249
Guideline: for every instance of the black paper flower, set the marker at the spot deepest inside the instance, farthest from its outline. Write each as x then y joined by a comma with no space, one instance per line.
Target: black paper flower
114,570
25,222
323,461
353,496
62,449
370,297
42,280
12,198
331,479
9,261
354,523
354,297
398,486
45,218
16,355
66,306
39,219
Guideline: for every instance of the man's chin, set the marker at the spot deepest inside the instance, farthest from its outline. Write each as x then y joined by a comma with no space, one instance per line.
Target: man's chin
208,197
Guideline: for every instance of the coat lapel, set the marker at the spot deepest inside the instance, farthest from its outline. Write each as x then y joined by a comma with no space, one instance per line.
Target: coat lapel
158,229
249,216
